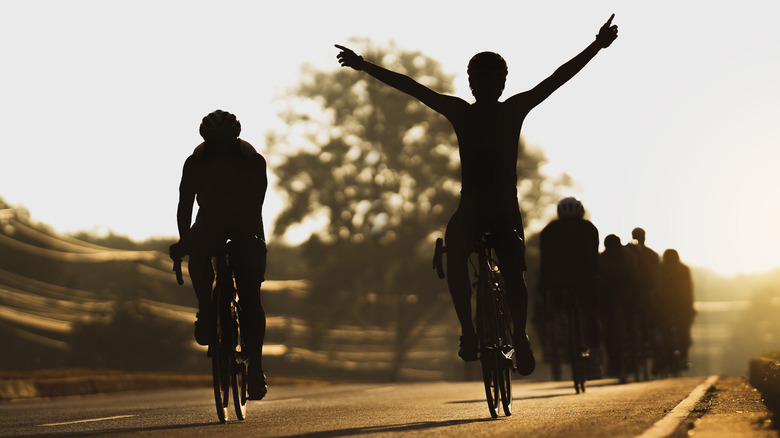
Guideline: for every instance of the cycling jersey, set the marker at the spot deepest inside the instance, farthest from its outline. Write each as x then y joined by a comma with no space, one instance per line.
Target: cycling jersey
229,188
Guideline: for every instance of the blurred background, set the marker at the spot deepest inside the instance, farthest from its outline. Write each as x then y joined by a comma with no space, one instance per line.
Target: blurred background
673,129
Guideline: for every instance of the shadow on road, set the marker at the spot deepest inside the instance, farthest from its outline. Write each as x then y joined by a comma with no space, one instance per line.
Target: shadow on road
120,430
418,426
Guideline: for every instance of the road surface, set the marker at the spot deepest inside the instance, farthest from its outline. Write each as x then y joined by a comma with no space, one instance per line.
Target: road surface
545,409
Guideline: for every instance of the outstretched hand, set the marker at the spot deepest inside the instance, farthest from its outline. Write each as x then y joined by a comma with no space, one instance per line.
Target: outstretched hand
348,58
607,33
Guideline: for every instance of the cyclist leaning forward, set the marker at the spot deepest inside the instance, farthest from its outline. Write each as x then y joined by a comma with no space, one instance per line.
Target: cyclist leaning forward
228,178
488,133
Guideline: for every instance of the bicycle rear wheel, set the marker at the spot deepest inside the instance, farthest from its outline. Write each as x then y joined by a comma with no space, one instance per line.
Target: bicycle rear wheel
505,388
491,377
487,354
220,369
579,361
505,355
238,366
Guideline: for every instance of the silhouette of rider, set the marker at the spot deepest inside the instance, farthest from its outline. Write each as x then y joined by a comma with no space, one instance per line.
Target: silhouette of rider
568,251
648,264
488,133
617,297
675,301
228,178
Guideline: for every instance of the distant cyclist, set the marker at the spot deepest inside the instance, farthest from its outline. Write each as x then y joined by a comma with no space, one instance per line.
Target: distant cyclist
648,264
488,133
228,178
568,251
617,296
675,301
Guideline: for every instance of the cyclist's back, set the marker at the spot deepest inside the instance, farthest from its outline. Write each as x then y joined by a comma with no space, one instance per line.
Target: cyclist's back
568,258
618,277
229,185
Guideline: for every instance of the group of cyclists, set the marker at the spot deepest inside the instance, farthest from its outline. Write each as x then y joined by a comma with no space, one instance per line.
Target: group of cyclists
228,179
635,303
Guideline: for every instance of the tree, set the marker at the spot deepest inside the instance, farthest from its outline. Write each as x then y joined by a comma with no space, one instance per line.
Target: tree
380,172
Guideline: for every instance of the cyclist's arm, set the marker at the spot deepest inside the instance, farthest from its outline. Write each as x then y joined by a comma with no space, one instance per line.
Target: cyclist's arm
186,202
438,102
544,89
261,185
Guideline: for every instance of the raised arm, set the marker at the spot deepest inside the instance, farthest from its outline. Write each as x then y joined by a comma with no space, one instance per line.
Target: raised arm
607,34
438,102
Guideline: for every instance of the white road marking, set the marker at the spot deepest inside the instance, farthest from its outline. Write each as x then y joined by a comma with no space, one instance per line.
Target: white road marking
665,426
266,402
90,420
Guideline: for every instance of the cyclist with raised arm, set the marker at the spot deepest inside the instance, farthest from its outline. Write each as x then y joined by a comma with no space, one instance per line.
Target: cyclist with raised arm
488,133
568,252
228,178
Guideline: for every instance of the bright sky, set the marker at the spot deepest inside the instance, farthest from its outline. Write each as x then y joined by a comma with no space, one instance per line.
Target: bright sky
674,128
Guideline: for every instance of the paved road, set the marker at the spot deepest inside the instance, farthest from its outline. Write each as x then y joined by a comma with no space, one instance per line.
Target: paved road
545,409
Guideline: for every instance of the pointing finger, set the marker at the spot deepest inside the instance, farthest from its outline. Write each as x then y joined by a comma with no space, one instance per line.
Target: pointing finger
609,22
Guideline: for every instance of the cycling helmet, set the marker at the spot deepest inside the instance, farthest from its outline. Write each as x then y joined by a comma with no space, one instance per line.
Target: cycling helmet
487,62
220,125
570,208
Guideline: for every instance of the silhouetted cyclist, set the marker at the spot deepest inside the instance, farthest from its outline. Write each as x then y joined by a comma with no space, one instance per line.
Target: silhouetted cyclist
568,251
648,264
617,296
228,178
675,302
488,133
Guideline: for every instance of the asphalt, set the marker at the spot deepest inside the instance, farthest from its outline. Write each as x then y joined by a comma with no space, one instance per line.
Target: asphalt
730,407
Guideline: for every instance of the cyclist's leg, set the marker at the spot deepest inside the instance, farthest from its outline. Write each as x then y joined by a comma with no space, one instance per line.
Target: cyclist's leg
458,240
201,272
249,267
510,248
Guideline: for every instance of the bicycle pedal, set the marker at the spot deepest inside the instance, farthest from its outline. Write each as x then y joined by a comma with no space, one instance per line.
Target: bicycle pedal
509,355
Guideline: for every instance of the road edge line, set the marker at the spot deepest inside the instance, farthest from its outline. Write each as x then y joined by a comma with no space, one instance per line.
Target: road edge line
665,426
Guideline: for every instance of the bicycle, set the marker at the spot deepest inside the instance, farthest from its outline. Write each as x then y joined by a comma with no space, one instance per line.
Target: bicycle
567,304
228,362
494,333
